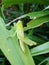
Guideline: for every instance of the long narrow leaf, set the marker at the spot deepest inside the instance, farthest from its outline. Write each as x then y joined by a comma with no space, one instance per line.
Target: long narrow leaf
37,22
41,49
11,49
32,15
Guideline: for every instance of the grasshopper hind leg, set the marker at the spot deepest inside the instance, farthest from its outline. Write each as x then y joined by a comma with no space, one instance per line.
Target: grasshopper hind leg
22,46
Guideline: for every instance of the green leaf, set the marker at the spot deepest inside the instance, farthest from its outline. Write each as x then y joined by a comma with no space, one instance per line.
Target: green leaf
32,15
47,59
37,39
47,63
41,49
12,2
11,49
37,22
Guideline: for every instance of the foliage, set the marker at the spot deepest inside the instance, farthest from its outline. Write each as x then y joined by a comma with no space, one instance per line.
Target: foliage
34,15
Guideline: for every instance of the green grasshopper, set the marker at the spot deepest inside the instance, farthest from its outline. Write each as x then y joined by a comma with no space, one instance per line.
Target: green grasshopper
22,38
